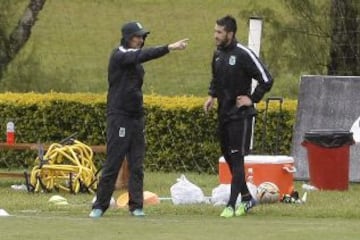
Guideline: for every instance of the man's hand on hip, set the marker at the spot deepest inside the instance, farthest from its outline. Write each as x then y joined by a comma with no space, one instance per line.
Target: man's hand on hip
243,100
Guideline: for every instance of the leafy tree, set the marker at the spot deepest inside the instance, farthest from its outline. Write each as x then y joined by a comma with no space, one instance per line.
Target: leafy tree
11,44
345,38
297,39
312,37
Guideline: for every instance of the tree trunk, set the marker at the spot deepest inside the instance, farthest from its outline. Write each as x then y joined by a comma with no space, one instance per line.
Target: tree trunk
345,38
20,34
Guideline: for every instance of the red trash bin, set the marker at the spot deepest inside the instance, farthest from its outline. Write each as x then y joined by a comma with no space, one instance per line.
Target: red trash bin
328,154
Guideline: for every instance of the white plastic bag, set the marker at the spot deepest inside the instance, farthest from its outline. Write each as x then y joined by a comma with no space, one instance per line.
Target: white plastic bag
252,189
221,194
185,192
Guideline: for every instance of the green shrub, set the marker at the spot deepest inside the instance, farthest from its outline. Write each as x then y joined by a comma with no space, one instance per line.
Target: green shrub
179,135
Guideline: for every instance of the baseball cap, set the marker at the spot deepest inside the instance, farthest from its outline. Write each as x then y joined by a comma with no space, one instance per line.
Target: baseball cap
131,29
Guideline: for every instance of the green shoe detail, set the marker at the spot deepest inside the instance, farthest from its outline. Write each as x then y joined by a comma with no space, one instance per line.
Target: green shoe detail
244,207
228,212
241,210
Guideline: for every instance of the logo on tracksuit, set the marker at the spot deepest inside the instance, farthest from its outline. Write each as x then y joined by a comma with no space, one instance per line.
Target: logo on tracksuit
232,60
122,132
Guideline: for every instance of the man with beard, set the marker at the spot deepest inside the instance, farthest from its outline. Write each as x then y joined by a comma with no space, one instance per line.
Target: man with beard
125,116
233,68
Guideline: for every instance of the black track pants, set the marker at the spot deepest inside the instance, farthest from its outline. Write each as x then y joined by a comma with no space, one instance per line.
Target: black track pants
125,137
235,137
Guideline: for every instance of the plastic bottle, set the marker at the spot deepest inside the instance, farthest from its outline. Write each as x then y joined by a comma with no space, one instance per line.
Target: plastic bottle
251,184
250,175
10,133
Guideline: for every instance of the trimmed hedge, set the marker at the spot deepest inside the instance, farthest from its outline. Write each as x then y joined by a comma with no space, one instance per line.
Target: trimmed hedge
179,135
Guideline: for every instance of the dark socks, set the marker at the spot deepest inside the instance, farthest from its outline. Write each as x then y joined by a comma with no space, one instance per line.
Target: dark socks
246,197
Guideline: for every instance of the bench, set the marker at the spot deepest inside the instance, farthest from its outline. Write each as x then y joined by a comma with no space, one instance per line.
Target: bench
35,146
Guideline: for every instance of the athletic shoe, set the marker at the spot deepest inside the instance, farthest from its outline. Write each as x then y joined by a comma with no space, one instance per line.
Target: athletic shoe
244,207
96,213
138,213
228,212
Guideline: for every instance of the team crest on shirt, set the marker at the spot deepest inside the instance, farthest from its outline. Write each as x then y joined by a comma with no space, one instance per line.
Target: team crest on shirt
232,60
122,132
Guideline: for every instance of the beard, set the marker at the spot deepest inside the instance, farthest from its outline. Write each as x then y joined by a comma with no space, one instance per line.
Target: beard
224,42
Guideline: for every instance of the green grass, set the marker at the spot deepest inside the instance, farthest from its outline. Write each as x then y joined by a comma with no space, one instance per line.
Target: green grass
177,227
326,215
72,39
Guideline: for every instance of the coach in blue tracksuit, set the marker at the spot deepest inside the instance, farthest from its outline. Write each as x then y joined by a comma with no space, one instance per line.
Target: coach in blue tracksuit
125,116
233,68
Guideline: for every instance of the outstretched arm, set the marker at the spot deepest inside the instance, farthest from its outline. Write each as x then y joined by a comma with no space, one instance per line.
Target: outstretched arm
179,45
129,56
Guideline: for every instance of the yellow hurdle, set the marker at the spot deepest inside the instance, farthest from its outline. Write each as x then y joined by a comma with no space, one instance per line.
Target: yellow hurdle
65,167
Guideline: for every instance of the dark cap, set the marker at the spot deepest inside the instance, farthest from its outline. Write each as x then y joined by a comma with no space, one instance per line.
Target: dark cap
133,29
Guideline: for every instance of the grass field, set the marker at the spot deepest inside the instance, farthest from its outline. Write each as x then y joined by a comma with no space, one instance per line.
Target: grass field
72,39
326,215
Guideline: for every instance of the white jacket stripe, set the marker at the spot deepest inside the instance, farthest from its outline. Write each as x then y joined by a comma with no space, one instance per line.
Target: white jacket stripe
256,61
121,48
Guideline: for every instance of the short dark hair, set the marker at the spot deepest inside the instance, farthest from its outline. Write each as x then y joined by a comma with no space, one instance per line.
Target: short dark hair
228,22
